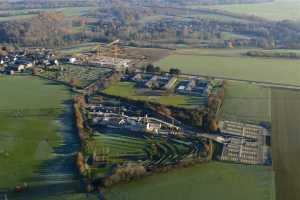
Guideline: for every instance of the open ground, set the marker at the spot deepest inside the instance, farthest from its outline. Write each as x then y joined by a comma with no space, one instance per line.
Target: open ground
37,139
275,10
232,64
22,14
206,181
246,102
286,140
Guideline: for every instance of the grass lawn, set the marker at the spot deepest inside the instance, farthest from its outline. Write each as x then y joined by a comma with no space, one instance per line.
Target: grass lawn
276,10
232,65
247,102
205,181
35,143
127,89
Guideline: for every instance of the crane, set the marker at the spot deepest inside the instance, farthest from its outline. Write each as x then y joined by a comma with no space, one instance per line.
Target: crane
111,49
115,49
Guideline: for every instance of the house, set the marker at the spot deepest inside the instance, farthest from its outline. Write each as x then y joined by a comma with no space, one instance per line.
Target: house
170,82
152,82
54,62
196,87
23,63
137,77
72,60
45,62
12,68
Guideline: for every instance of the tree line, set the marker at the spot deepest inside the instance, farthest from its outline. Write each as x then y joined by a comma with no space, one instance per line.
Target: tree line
273,54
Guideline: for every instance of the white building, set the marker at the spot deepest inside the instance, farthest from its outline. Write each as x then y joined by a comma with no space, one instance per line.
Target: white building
72,60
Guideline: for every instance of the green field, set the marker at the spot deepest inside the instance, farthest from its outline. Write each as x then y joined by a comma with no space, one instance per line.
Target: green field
79,48
69,12
246,102
276,10
128,89
285,142
35,140
231,64
205,181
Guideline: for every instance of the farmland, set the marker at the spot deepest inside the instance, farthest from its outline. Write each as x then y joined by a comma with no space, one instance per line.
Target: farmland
276,10
232,65
286,140
209,181
36,137
27,13
246,102
79,48
127,89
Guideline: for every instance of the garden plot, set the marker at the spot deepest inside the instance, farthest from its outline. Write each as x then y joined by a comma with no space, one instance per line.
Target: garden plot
81,76
150,151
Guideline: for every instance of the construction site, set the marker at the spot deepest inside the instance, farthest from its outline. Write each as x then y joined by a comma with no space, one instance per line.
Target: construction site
110,55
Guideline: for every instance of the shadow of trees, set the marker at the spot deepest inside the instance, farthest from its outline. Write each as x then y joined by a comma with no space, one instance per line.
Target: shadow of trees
56,176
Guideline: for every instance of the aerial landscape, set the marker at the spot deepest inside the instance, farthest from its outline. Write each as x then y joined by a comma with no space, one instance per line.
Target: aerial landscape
149,99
